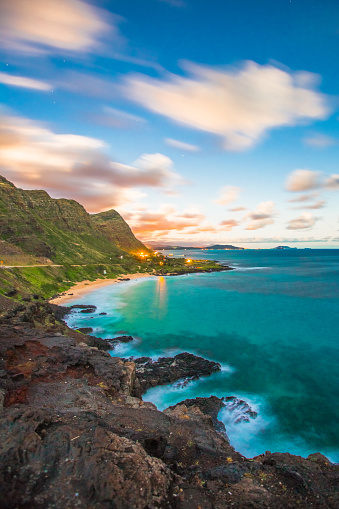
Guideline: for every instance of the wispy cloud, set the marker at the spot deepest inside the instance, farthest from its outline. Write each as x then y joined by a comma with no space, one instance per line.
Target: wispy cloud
303,198
42,25
304,221
239,105
261,216
237,209
119,119
303,180
181,145
21,81
316,205
228,194
332,182
229,224
281,240
320,140
174,3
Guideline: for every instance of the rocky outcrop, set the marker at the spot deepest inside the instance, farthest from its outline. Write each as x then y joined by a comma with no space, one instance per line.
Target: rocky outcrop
239,408
76,461
211,407
73,435
184,367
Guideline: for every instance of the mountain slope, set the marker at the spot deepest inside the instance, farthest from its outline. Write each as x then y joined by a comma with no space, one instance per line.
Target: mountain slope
115,229
58,229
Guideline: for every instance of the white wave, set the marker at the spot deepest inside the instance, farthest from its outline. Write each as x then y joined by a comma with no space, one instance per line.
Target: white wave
245,269
225,368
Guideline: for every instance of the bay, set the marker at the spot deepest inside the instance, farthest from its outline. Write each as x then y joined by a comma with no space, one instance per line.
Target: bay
273,325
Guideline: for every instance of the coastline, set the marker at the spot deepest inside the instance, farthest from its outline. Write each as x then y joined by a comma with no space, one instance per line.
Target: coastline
86,286
82,287
59,384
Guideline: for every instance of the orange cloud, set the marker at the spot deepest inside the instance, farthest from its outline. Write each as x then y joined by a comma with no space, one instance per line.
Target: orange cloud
152,224
229,224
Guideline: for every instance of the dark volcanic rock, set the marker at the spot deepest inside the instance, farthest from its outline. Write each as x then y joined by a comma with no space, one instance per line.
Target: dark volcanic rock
239,408
60,311
11,293
211,406
71,461
170,369
84,307
121,339
208,406
73,436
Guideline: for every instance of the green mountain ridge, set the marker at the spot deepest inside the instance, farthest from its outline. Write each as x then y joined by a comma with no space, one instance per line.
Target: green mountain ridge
114,228
32,223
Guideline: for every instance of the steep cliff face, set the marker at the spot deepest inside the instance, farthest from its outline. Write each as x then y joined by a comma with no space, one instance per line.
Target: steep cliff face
60,230
114,228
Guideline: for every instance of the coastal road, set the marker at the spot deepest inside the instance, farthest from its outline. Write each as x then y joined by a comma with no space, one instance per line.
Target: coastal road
40,265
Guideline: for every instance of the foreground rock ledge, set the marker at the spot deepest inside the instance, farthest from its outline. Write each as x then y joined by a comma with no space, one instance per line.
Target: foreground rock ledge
72,435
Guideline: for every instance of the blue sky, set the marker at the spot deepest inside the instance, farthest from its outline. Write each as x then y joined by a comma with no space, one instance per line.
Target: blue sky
200,123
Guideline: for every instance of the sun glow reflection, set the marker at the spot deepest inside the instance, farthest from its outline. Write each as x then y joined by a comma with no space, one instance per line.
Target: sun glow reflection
161,297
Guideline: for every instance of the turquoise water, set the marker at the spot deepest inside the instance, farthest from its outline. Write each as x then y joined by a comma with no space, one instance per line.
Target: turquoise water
272,324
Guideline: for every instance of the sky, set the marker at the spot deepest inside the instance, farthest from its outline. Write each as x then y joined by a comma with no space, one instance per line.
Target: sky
200,122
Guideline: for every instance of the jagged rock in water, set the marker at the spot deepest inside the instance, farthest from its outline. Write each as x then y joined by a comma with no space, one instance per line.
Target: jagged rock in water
166,370
84,307
240,408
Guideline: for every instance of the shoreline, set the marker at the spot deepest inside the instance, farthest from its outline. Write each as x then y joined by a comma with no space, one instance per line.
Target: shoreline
82,287
86,286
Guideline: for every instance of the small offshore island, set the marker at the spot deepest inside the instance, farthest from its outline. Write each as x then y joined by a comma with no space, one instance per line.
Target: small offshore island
74,429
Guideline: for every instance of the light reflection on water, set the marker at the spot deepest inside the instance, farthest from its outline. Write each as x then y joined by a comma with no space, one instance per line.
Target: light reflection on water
161,298
275,327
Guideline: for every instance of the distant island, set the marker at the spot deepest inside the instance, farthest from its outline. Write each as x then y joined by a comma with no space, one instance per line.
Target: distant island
215,246
285,247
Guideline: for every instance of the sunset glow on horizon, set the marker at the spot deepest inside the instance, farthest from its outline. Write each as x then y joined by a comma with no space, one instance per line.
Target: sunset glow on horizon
199,123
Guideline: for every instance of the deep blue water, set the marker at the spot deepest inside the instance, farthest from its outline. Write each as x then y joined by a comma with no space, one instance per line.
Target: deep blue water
273,325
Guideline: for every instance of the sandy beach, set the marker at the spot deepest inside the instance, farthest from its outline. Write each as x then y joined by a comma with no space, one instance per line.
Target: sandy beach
83,287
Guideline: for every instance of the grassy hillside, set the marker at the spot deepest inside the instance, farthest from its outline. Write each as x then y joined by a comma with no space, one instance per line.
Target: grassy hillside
34,224
48,281
115,229
37,230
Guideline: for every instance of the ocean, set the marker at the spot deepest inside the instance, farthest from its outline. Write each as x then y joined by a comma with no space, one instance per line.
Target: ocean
272,324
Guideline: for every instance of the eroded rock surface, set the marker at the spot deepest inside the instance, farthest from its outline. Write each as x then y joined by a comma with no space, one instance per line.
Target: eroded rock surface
73,434
184,366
